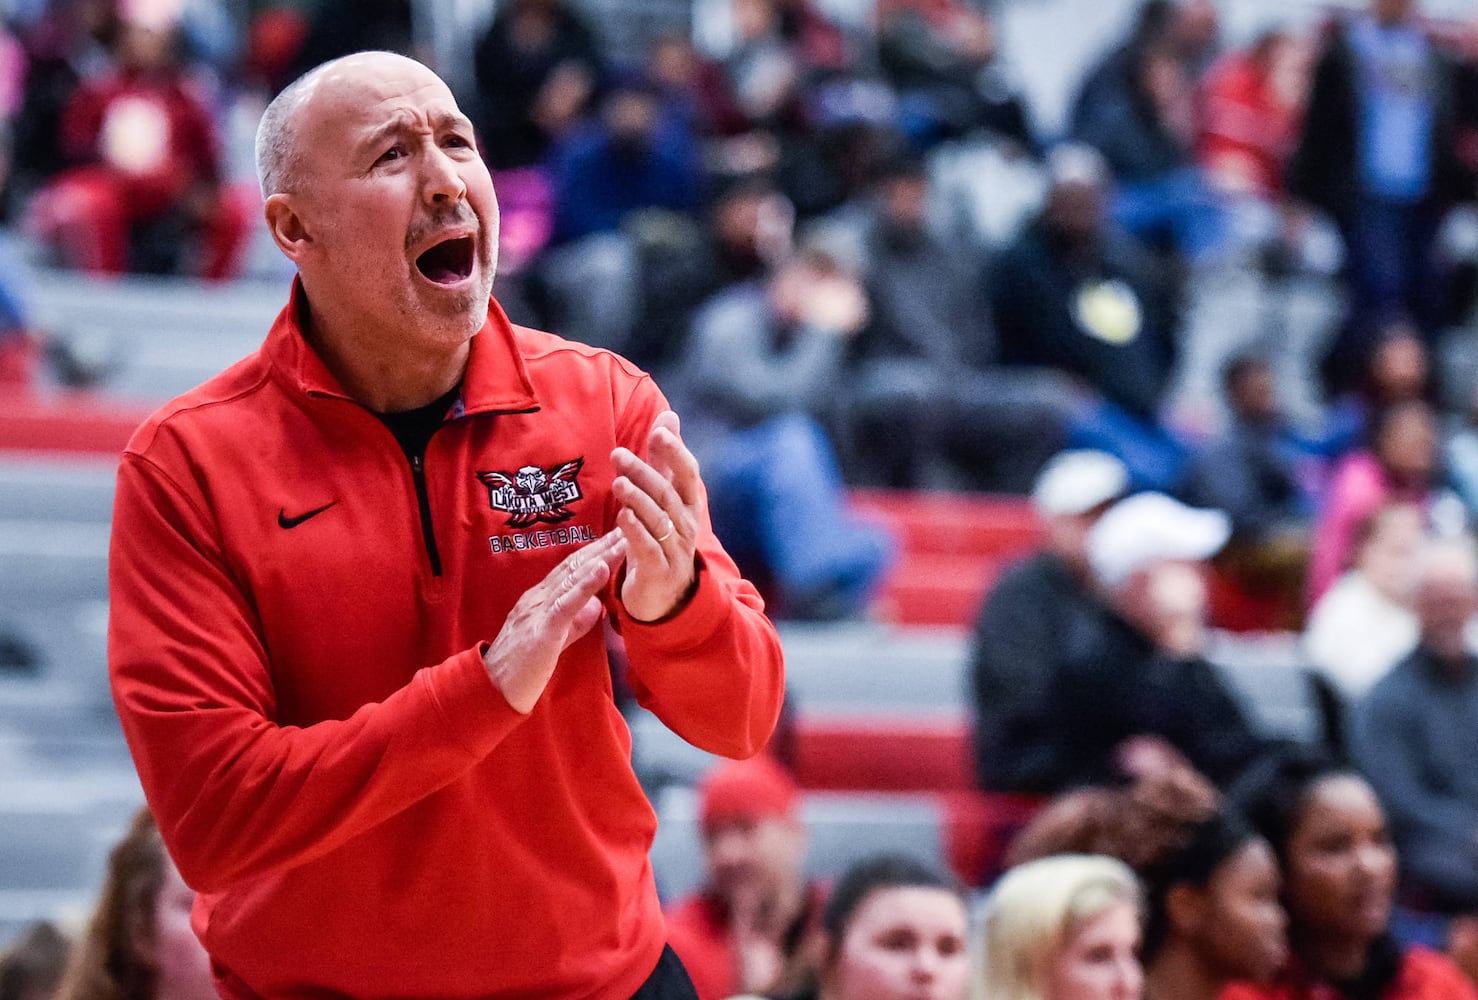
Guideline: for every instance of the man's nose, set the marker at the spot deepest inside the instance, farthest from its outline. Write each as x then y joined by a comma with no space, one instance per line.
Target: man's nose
443,178
925,964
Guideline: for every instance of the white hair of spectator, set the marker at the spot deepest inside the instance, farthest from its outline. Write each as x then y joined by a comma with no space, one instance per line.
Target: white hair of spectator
1452,558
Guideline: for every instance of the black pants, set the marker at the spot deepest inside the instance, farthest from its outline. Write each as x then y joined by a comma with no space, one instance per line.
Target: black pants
668,981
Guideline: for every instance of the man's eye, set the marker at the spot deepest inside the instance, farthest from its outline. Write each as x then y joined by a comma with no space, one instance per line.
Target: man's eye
461,142
393,153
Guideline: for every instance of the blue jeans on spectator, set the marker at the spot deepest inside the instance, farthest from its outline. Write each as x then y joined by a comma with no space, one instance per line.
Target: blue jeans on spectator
1179,209
1390,263
1156,459
776,497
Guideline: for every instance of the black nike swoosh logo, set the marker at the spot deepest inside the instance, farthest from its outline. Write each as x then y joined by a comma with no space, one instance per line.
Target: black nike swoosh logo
283,521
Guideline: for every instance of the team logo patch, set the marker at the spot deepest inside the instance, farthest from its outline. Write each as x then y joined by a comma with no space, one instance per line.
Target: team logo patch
533,493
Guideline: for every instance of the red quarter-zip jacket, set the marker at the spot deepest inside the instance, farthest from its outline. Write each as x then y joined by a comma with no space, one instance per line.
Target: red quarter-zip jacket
360,810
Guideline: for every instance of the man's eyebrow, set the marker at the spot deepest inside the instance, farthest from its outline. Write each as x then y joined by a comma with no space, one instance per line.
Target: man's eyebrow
404,122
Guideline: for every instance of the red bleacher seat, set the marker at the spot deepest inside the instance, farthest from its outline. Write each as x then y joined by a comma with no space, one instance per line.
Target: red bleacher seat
952,547
908,755
71,423
894,753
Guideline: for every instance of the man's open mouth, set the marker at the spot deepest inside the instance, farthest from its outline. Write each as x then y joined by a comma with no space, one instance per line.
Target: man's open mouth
449,261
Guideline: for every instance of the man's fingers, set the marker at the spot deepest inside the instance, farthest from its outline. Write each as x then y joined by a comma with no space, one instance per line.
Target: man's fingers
672,457
682,465
584,619
582,573
644,485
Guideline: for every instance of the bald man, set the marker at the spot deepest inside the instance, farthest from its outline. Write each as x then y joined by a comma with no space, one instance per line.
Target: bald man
356,584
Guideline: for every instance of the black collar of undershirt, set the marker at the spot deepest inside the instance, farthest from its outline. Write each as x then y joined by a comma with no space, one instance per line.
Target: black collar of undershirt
413,428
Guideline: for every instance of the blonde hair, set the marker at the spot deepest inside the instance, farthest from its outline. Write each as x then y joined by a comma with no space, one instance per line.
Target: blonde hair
1033,912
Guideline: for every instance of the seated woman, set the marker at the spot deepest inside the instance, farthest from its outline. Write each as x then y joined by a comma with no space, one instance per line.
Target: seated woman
1327,827
139,945
1213,913
894,929
1365,623
1063,928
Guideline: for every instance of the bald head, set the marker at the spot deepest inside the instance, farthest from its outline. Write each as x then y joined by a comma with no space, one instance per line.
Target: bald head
1446,594
279,168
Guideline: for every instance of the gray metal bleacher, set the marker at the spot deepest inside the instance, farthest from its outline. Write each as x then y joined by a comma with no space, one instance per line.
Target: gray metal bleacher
67,787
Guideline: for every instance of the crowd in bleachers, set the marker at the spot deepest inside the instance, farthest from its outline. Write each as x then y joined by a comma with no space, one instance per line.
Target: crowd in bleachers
792,233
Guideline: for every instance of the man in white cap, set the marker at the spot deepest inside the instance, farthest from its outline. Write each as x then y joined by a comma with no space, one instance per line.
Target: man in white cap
1138,699
1035,607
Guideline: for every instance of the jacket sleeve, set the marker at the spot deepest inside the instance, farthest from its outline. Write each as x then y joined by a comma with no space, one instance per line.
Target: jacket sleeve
713,670
236,795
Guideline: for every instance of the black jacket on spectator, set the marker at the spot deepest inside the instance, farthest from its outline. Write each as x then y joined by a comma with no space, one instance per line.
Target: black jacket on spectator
1325,167
1021,638
511,75
1113,685
1119,119
1034,291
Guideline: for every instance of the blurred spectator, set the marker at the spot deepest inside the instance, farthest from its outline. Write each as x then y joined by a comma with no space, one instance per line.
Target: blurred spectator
72,41
139,943
339,27
750,928
1339,877
1138,109
148,180
1416,736
1258,469
1379,153
1074,294
941,57
839,160
760,366
624,162
1397,369
627,158
1030,620
1063,928
31,968
1364,623
1261,471
539,70
1213,914
1400,465
894,929
757,85
924,397
274,37
745,231
1251,108
1137,697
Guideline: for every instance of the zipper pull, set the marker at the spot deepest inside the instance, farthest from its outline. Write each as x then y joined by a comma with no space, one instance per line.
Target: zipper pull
416,462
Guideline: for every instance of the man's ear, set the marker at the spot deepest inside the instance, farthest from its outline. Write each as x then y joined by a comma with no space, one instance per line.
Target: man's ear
287,227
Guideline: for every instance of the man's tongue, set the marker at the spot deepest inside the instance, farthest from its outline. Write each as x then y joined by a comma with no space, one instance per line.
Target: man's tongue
447,262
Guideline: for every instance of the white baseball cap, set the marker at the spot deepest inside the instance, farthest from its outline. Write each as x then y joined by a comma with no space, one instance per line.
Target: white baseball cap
1151,527
1074,482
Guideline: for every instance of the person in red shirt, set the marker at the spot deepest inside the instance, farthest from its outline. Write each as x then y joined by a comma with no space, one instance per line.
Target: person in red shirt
752,928
147,172
1329,831
355,582
1251,107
